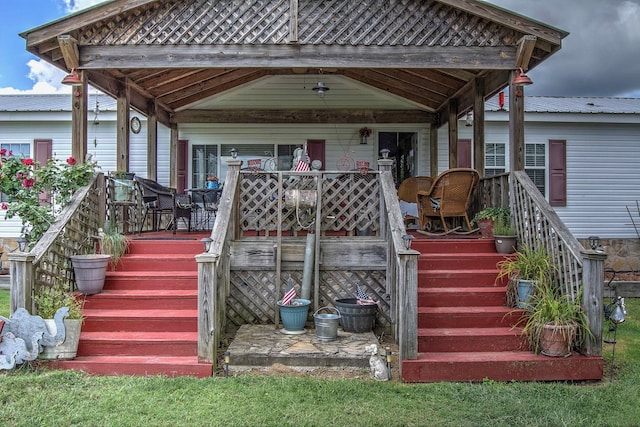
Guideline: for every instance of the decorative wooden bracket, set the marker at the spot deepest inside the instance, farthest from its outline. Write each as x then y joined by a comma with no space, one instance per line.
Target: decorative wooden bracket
69,49
524,51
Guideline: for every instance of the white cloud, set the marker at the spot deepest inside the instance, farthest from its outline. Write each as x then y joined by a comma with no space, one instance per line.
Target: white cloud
46,79
76,5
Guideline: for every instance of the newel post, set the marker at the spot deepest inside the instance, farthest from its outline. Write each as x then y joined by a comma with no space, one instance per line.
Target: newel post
408,304
592,298
384,166
21,278
208,316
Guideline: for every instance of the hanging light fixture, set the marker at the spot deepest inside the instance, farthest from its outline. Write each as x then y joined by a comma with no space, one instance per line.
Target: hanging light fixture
522,79
73,78
320,88
469,119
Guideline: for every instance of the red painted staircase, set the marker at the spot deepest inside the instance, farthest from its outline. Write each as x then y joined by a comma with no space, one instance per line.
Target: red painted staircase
465,330
144,322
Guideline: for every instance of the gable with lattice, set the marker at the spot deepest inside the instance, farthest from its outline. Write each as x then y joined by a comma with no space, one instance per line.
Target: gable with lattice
339,22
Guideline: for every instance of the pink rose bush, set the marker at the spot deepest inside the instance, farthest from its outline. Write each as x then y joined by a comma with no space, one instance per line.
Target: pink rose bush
37,194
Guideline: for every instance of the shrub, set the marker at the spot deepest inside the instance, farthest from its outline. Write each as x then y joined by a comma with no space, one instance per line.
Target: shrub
38,194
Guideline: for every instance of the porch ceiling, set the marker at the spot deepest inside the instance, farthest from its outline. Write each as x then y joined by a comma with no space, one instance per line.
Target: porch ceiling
171,56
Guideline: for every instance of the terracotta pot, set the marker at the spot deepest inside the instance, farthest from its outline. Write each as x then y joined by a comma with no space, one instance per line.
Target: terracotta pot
486,227
557,341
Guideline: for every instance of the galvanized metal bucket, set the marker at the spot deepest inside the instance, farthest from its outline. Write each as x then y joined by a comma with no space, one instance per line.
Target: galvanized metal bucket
326,324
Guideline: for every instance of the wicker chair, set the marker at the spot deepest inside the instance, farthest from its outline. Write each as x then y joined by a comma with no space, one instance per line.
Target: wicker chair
158,200
408,192
448,197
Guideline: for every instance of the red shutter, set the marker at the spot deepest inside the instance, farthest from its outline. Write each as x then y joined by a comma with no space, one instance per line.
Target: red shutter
183,155
42,151
558,172
464,153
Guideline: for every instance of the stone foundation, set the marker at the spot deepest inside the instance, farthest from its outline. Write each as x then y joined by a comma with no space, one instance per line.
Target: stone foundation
623,255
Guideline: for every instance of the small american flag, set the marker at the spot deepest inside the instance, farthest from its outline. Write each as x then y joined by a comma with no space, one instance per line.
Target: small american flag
362,297
302,166
289,296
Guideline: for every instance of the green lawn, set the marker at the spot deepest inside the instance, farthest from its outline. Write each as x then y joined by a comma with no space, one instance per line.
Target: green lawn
48,398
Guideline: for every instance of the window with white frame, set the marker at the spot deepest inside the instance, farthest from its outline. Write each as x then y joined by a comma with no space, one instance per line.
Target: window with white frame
495,158
535,164
210,159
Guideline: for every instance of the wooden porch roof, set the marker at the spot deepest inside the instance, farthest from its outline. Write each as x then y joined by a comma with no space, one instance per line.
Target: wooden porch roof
169,55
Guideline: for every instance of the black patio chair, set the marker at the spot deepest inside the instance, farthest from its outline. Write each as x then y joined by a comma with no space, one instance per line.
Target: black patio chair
158,201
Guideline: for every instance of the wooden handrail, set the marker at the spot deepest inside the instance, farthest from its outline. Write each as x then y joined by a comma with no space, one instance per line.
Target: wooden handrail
72,233
579,270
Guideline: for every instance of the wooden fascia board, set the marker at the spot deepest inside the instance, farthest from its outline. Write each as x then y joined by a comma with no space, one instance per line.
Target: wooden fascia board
509,19
73,22
302,116
289,56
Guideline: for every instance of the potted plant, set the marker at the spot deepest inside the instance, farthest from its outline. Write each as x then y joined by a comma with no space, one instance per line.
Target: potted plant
486,218
505,235
525,268
61,311
90,270
555,323
365,133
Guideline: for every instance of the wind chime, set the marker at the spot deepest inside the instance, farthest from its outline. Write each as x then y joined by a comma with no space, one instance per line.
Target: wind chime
96,122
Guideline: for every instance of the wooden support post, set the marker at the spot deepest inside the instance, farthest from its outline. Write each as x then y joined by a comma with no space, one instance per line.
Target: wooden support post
122,131
453,134
516,125
21,280
79,120
408,304
384,165
152,144
209,322
592,298
173,156
433,150
478,126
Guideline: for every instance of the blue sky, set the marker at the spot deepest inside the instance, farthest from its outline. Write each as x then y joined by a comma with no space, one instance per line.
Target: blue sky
600,57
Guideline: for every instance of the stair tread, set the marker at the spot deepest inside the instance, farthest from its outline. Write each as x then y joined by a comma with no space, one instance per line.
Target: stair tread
146,336
471,332
464,289
166,275
137,313
489,356
146,293
114,359
491,309
453,270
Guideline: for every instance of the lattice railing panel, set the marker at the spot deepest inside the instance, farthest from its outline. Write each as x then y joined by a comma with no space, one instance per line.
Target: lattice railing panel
73,233
538,225
252,299
348,202
339,22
